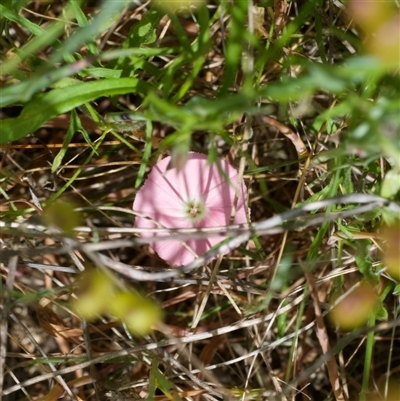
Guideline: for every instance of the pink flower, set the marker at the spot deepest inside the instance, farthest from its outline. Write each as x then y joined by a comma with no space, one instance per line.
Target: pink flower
197,195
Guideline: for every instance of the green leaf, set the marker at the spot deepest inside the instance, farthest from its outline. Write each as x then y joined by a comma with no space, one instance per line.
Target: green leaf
146,154
391,184
110,12
74,126
234,44
396,290
381,313
162,383
58,101
144,31
83,21
13,16
152,380
364,262
33,46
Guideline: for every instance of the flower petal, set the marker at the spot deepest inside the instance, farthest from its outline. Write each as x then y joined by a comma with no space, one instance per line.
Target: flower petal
166,192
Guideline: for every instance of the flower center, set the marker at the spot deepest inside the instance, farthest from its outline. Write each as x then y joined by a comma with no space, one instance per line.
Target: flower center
195,210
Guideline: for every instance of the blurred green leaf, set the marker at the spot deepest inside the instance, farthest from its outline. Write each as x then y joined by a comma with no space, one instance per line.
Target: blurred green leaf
94,290
396,290
390,184
58,101
139,314
62,214
12,15
34,45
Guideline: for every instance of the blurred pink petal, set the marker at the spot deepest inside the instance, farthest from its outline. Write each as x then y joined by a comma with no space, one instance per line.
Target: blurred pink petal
197,195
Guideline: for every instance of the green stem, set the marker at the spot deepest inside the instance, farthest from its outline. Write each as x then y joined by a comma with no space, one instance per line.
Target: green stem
368,359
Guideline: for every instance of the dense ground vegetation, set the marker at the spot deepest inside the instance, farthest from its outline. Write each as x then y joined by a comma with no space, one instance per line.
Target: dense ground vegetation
302,98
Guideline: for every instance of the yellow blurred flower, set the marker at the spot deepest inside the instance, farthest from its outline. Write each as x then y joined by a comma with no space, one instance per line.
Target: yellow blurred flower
355,308
380,21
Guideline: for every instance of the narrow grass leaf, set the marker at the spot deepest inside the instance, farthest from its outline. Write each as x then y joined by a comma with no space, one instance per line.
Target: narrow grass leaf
74,126
13,16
